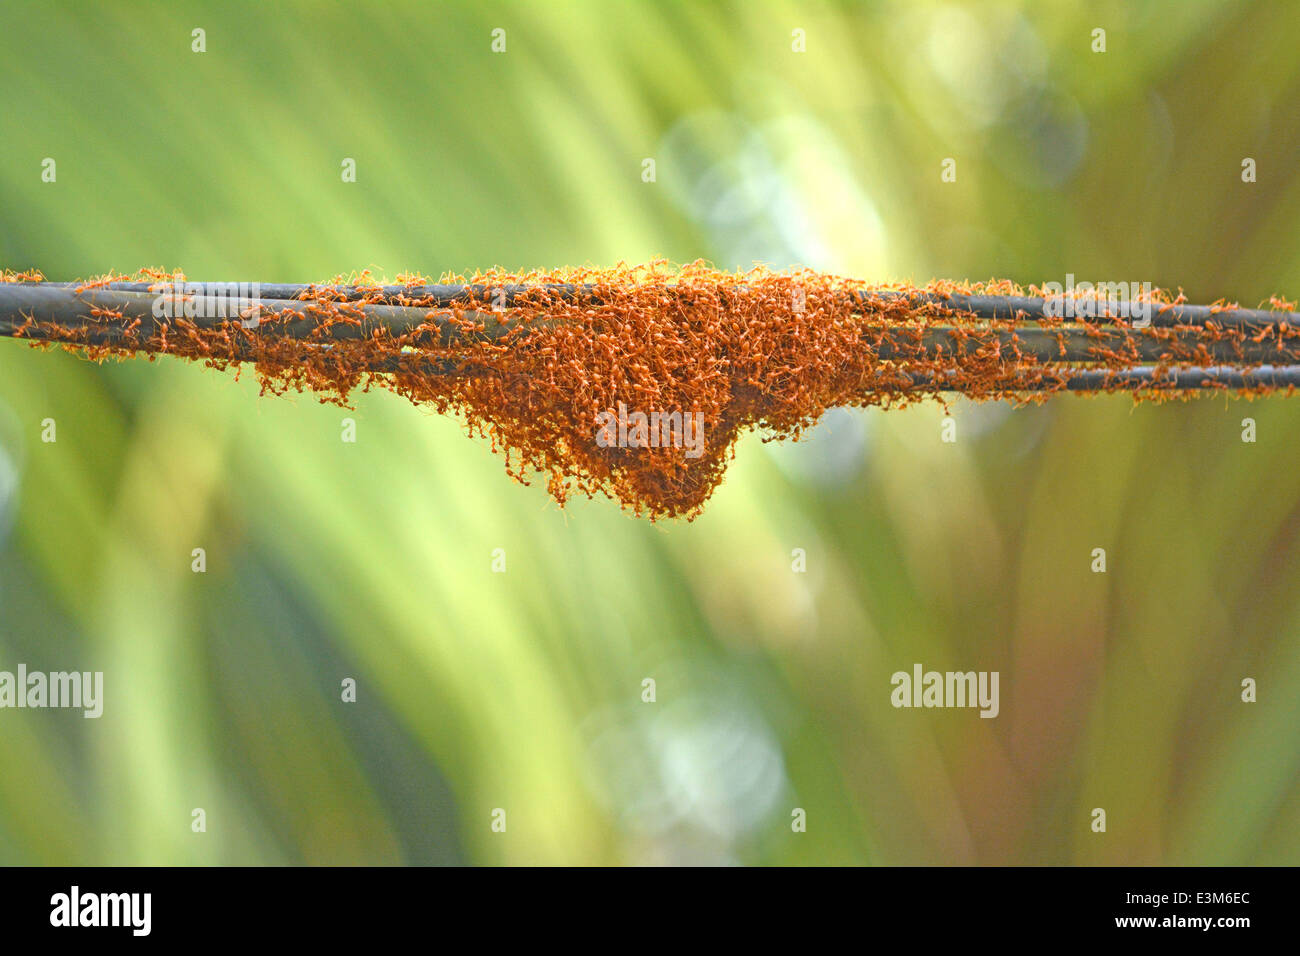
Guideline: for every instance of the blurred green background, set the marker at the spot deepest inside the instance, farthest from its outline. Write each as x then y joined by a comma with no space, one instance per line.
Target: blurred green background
522,690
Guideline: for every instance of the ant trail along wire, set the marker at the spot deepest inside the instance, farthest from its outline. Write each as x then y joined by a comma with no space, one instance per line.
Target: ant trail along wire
636,381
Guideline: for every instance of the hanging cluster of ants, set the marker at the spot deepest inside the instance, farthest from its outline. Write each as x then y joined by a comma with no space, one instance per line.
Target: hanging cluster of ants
535,361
